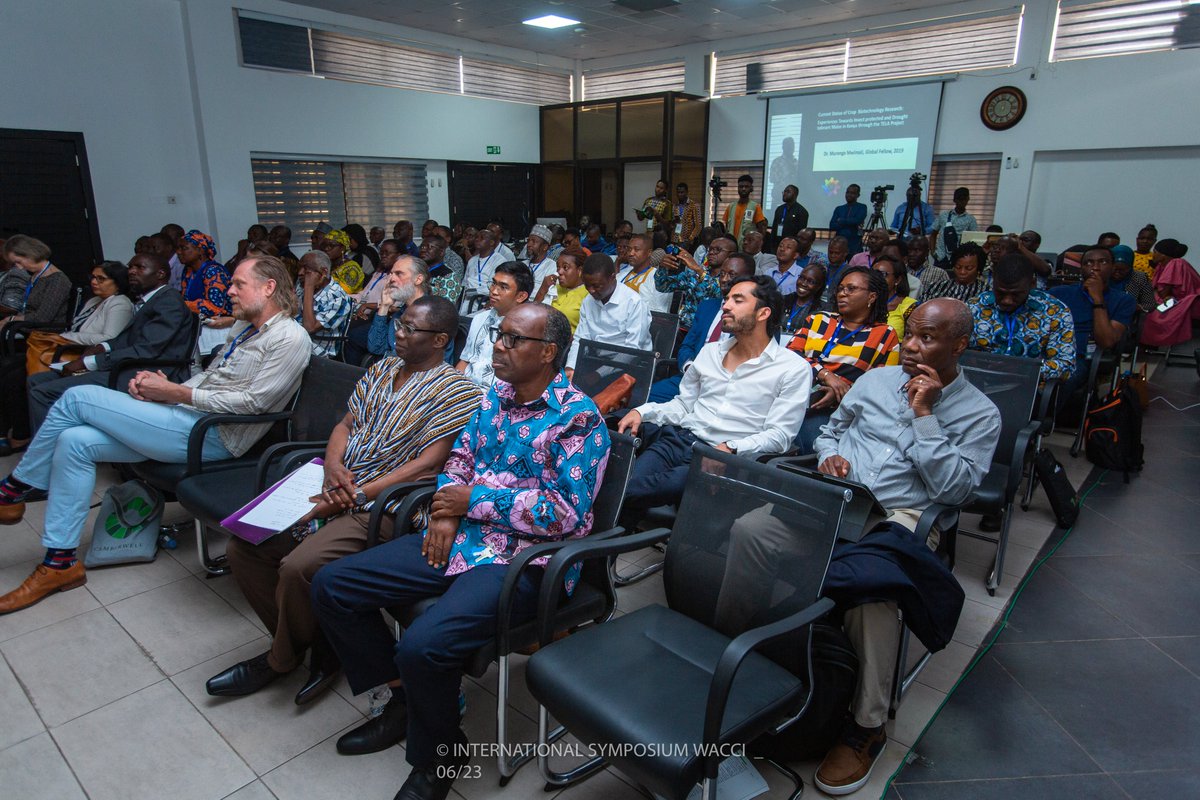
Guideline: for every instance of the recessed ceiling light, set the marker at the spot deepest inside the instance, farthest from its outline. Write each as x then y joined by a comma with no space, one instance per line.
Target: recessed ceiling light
550,21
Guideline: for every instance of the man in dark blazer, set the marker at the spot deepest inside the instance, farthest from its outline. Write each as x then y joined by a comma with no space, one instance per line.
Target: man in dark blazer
161,329
790,218
706,325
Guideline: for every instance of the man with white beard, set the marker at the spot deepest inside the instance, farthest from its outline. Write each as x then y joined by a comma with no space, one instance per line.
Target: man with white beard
408,280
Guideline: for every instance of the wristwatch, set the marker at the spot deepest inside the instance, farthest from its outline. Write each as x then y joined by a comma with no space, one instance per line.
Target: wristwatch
360,498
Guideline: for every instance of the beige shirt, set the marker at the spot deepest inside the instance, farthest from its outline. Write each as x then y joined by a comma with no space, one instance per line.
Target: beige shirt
257,376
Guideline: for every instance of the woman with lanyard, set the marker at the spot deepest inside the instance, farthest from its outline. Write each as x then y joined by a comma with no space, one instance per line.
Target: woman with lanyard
804,302
205,288
840,347
899,304
49,289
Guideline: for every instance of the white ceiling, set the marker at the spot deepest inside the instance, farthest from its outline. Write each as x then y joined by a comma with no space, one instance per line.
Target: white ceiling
608,29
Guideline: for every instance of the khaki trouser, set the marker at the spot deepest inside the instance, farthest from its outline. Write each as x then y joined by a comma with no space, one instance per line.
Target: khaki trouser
276,577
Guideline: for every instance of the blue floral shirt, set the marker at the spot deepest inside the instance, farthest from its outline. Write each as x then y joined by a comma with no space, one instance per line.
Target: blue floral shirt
534,469
331,307
1042,328
695,288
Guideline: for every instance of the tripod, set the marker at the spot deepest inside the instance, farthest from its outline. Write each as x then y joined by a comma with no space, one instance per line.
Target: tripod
876,220
716,201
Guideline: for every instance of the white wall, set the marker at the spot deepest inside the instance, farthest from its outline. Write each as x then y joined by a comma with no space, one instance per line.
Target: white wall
1127,104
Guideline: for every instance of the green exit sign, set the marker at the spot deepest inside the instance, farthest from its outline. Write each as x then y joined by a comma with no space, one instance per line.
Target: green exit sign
493,149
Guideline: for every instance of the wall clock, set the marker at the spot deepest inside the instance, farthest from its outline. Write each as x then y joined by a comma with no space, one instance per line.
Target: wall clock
1003,108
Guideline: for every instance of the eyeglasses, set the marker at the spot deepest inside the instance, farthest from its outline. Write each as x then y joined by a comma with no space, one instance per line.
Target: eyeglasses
101,278
847,288
511,339
409,330
500,286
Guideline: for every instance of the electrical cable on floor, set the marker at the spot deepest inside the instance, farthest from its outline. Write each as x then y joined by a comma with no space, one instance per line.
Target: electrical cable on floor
1172,405
983,651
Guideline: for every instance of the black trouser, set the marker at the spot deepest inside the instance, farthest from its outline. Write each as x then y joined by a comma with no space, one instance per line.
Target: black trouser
661,469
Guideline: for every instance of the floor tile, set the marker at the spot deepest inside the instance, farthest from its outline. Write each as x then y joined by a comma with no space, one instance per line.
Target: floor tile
322,772
1156,595
20,721
607,786
183,624
252,791
974,623
168,749
78,665
227,589
1160,785
1051,608
110,584
946,666
55,608
1097,535
919,705
1184,649
1149,723
1174,520
266,728
991,714
1092,787
36,769
20,544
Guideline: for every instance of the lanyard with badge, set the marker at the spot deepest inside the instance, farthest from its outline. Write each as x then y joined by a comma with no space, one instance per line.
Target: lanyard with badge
1010,326
835,340
480,266
32,283
679,211
240,339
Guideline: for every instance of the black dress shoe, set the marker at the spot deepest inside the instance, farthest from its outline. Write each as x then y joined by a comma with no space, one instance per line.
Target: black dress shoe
378,733
318,681
434,783
244,677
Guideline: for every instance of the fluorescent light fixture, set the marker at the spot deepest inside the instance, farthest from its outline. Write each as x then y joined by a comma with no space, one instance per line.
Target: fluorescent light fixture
550,21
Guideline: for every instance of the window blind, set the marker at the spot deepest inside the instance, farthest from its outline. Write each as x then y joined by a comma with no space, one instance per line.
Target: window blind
380,194
980,176
785,68
1118,27
519,83
642,79
354,58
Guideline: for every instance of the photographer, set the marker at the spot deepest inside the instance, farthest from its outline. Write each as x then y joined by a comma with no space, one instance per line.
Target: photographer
913,216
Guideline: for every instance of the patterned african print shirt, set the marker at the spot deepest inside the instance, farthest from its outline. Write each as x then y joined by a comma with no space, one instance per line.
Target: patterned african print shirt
695,288
206,290
827,343
331,307
1042,328
534,469
350,276
444,282
390,427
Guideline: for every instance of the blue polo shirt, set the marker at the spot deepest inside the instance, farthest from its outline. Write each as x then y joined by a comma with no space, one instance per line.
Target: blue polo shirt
1120,308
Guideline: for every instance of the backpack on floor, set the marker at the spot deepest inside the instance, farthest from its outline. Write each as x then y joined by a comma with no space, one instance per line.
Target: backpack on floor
835,676
1064,500
1112,432
126,530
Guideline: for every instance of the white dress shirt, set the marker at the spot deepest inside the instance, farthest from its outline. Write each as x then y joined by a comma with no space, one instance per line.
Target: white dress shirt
479,272
624,320
540,269
765,264
757,408
651,296
477,352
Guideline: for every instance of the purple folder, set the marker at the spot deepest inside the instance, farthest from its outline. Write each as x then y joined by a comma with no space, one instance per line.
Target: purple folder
252,533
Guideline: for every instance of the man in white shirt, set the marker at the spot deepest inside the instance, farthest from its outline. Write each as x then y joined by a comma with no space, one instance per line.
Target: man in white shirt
511,285
537,249
639,274
477,279
501,248
745,395
611,313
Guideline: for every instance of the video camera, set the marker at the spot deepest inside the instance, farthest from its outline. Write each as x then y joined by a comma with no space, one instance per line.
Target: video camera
915,180
879,194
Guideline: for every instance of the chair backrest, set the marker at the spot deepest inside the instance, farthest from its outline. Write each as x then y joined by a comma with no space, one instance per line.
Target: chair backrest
1011,382
323,398
607,506
475,302
336,338
599,364
750,546
460,337
664,328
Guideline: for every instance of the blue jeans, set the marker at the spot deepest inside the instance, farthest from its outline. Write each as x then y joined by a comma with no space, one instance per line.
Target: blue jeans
93,424
810,429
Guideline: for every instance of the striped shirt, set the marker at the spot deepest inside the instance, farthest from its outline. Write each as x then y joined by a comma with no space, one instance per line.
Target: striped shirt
255,372
848,352
939,286
390,427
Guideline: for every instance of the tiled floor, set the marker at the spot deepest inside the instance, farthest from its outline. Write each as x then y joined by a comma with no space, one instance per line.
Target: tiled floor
102,688
1092,686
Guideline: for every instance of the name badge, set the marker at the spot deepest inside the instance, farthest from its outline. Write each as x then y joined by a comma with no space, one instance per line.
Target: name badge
679,229
779,229
1091,349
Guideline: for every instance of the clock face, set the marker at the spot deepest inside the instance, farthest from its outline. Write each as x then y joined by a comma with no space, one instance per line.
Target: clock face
1003,108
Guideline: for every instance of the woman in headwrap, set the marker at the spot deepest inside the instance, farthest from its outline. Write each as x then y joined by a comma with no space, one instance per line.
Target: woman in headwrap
205,288
346,271
1176,283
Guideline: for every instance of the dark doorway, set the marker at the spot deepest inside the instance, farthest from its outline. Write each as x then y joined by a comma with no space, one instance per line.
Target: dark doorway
481,193
46,192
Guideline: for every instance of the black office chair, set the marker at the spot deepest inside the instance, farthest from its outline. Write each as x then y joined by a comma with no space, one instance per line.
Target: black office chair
593,600
1012,384
318,406
1101,360
13,335
335,339
708,670
664,328
598,365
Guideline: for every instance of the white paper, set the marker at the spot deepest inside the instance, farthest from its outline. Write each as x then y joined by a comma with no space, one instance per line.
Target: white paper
289,502
737,779
58,366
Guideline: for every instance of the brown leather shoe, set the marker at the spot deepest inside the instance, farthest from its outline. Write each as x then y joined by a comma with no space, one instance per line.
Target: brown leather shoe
847,767
42,582
11,514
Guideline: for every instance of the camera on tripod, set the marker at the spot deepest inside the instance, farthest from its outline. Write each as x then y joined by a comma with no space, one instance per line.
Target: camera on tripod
716,185
916,179
879,194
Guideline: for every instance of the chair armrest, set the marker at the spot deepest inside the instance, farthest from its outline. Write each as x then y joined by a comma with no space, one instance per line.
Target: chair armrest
414,493
125,364
599,545
276,451
736,652
1046,403
665,368
808,461
944,518
1019,453
10,333
195,448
